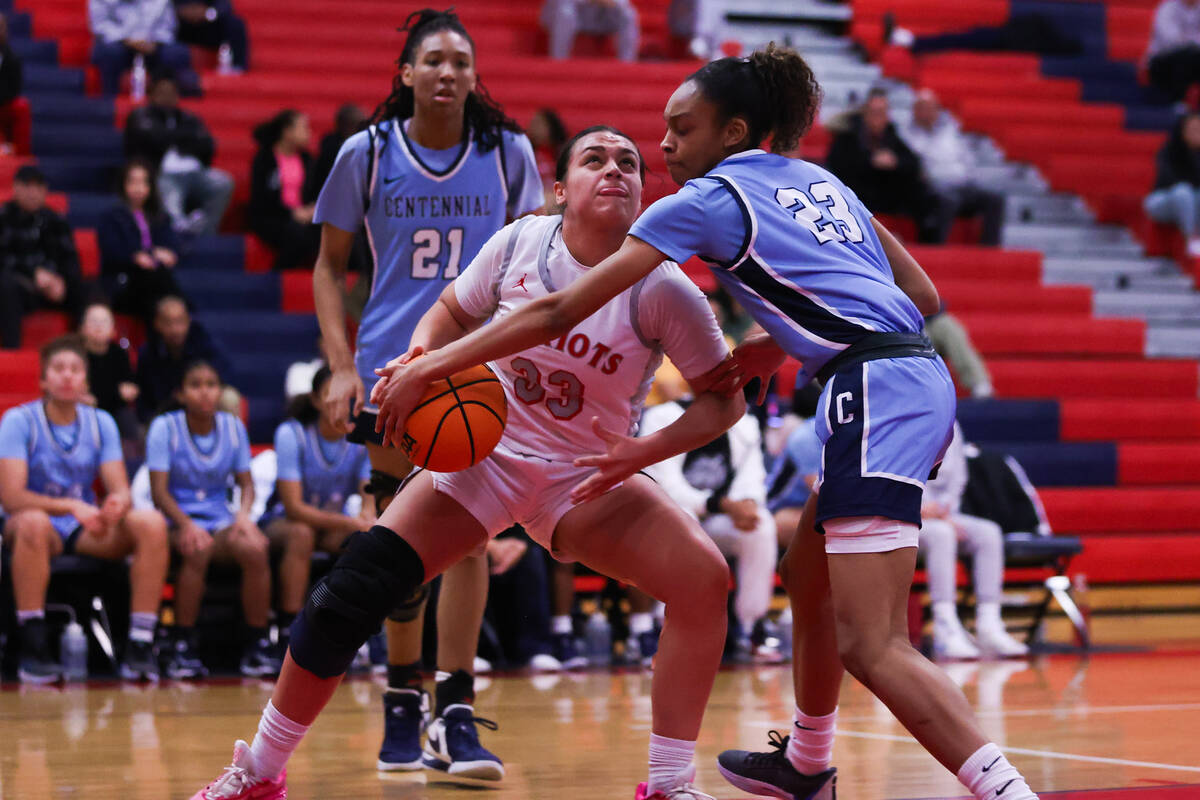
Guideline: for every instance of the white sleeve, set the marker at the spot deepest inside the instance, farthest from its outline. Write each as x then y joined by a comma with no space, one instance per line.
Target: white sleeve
749,472
669,474
674,312
477,286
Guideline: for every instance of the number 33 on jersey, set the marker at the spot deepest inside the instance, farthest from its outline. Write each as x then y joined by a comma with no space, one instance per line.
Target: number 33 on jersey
602,368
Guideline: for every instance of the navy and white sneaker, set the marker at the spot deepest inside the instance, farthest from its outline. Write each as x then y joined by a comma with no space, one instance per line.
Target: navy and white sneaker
140,662
570,651
259,660
405,717
772,774
452,745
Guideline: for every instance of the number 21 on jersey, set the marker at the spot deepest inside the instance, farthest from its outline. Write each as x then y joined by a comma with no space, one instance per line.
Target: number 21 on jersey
429,244
809,208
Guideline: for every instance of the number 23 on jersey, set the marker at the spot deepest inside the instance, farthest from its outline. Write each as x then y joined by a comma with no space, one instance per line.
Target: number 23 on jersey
810,208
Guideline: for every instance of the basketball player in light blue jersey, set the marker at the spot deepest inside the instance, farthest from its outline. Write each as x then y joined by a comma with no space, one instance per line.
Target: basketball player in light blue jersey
438,172
317,472
52,450
195,456
831,287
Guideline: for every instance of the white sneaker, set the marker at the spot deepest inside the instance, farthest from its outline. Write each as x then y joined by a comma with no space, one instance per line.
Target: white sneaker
544,662
953,642
997,642
482,665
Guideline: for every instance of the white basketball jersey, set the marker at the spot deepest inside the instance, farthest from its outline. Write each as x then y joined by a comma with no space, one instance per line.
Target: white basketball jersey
604,367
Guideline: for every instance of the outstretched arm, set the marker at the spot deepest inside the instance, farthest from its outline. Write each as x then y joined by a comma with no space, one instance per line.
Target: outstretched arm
538,322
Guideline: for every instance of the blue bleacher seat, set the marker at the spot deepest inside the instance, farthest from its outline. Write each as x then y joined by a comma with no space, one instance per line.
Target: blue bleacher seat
44,79
1063,463
234,290
1009,420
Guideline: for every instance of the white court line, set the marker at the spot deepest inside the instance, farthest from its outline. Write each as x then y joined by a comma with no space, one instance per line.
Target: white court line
1083,710
1043,753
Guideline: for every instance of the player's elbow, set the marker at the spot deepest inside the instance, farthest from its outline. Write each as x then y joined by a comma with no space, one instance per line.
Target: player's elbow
556,315
927,300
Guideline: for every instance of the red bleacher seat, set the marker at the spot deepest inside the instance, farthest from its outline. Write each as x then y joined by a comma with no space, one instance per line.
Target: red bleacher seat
19,373
42,326
89,253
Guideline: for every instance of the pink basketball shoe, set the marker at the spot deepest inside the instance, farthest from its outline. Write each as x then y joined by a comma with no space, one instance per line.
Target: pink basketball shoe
684,791
239,784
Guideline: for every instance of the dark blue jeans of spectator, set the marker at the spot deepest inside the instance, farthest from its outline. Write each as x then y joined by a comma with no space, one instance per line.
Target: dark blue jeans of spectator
225,29
518,608
1175,70
112,59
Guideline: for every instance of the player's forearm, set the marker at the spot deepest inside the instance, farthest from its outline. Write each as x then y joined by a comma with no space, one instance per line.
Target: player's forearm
708,416
170,509
907,273
536,323
437,328
331,314
25,500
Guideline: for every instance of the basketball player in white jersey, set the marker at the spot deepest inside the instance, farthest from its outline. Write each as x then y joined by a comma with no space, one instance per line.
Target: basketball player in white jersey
546,473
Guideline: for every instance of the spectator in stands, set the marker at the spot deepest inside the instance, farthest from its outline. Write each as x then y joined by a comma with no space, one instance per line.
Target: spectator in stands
195,455
1176,196
518,604
281,195
111,381
126,29
952,343
180,147
53,450
695,22
174,341
15,116
39,267
317,472
1173,56
945,156
548,134
298,379
723,484
872,159
563,19
138,246
213,24
348,121
945,531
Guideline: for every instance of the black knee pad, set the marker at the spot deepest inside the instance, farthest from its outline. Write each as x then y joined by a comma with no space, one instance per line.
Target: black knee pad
383,486
408,608
349,604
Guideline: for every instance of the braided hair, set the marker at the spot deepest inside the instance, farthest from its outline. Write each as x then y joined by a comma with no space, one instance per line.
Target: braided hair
482,115
774,90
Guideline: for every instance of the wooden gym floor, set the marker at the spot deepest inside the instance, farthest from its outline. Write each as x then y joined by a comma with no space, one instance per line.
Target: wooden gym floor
1084,727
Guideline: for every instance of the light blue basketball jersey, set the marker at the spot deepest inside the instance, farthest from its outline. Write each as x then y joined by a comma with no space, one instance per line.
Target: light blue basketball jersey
328,472
62,461
427,213
200,474
793,245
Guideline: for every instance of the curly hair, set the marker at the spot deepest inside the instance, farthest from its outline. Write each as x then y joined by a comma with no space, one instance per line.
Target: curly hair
482,115
774,90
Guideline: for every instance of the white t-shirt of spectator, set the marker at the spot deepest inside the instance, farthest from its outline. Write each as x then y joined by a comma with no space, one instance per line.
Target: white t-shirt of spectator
943,150
1176,25
604,366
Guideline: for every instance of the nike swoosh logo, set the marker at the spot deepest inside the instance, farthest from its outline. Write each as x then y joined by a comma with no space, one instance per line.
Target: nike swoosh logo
989,766
803,727
386,181
1000,791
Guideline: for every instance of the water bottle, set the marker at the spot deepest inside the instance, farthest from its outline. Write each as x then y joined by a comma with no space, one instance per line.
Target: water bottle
137,79
1079,592
598,634
225,59
73,649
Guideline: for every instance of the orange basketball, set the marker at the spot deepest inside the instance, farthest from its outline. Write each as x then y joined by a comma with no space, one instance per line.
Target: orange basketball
458,421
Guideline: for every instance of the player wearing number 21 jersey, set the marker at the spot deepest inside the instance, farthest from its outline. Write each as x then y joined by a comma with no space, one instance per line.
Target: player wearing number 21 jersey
427,213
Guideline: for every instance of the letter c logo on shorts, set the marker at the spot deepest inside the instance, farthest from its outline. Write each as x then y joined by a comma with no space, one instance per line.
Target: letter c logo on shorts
843,417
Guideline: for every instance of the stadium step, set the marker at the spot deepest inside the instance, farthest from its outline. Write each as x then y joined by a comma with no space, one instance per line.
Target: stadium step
1121,509
1060,378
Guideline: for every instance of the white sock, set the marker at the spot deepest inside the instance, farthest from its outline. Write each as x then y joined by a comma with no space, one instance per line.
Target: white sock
641,622
560,623
987,616
25,616
945,613
141,626
810,748
987,772
276,740
670,762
